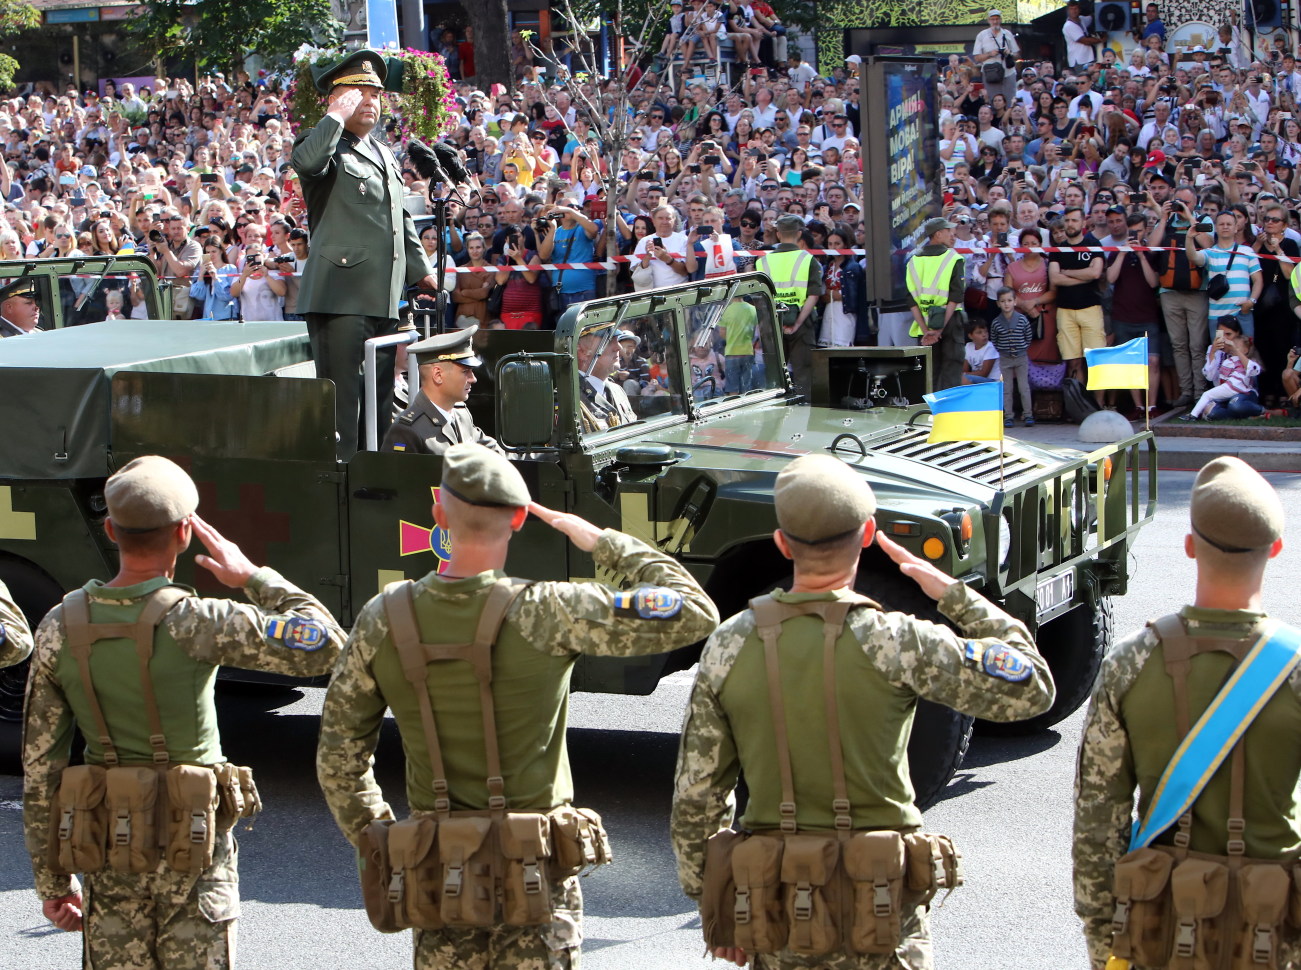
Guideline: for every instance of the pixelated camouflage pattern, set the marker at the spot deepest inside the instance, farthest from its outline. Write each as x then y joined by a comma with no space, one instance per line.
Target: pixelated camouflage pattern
556,618
210,631
15,636
1106,786
913,953
923,657
551,947
164,919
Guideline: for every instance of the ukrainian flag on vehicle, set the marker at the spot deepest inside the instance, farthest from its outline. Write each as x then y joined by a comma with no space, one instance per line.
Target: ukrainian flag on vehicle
1119,367
969,412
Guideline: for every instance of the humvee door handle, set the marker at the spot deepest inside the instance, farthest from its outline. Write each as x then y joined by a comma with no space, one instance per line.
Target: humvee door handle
376,494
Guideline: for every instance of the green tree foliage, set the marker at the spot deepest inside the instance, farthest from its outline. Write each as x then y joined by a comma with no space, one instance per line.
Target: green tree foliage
218,33
15,15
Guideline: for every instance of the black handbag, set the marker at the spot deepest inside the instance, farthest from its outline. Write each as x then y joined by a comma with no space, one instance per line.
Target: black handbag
1218,285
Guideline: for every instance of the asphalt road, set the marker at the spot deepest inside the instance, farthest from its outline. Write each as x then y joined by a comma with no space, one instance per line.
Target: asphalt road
1009,809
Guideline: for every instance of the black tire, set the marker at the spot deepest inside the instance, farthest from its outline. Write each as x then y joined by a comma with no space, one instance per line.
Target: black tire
940,734
35,592
1074,645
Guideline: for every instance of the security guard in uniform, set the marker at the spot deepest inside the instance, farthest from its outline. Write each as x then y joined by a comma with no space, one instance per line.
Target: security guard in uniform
1133,727
365,250
883,663
935,292
438,417
798,279
15,636
160,918
20,309
546,627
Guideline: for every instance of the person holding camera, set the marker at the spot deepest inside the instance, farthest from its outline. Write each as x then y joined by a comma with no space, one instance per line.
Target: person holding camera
1080,38
175,256
665,252
569,235
261,283
996,51
211,287
520,282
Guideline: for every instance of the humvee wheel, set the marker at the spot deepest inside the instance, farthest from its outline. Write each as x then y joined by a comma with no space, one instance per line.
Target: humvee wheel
35,593
940,734
1074,645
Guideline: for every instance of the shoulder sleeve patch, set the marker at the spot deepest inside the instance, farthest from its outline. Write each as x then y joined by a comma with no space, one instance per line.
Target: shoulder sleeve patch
999,660
297,633
649,603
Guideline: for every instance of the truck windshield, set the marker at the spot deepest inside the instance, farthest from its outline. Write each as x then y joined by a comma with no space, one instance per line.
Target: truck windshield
731,348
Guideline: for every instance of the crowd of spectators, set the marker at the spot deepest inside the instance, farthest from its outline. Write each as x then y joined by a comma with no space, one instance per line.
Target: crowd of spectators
1193,151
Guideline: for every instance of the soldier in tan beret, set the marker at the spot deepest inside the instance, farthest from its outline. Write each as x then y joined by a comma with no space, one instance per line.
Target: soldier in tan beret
1153,689
132,663
475,667
779,695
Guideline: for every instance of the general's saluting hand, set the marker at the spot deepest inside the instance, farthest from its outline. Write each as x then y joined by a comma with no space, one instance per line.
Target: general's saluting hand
345,105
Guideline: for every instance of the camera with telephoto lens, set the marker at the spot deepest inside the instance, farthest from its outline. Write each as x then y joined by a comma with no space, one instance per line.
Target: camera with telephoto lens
283,258
156,236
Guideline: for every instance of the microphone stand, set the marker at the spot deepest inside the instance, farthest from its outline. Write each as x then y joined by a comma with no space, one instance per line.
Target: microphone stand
451,194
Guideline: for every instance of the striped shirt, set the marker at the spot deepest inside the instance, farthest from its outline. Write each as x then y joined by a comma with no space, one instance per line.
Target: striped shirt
1224,368
1244,264
1011,335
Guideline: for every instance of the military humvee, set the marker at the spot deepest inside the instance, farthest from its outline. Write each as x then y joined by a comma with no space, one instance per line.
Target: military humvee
1044,533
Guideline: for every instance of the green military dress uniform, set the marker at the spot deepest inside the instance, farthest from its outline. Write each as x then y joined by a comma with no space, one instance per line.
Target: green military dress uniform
15,636
546,628
424,430
364,253
181,920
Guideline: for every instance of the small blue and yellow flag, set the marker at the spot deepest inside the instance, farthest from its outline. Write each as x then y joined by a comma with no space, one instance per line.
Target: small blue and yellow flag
1119,367
969,412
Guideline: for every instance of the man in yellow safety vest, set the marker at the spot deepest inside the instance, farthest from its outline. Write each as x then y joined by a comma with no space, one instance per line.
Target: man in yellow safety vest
798,280
935,289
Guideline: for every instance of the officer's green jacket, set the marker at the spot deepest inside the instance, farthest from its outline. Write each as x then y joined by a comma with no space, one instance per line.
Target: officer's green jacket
364,248
546,629
15,636
194,638
884,663
1130,735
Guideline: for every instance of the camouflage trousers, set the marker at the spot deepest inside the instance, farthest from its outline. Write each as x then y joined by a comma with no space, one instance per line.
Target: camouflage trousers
914,953
551,947
164,920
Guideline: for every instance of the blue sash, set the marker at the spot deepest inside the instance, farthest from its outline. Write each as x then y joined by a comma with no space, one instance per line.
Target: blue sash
1262,671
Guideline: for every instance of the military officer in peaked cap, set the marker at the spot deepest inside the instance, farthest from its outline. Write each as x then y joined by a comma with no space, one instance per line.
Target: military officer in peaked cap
438,417
1154,687
20,308
365,250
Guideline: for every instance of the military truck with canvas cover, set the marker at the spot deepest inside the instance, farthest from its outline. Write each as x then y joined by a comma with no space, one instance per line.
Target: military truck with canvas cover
1045,534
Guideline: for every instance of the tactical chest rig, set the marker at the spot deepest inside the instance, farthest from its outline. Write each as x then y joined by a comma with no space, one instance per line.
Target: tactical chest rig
468,868
815,893
1186,910
131,817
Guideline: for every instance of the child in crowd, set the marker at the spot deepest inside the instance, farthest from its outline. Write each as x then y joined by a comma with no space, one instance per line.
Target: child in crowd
1231,366
677,28
981,364
1011,333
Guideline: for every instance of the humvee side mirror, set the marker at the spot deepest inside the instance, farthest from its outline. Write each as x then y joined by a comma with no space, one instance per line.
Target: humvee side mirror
526,403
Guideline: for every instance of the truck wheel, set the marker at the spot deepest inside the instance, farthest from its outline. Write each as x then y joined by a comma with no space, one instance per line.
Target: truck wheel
940,734
35,593
1074,645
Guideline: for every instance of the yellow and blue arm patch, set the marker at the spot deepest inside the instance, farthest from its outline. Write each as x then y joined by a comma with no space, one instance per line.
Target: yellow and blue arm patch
297,633
649,602
999,660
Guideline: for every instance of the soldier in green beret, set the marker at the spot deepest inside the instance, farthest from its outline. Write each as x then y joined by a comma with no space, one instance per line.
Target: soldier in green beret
1154,688
365,250
538,637
15,635
438,417
87,675
815,765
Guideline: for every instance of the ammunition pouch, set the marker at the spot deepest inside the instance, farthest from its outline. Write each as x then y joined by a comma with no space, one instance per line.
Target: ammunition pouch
815,893
131,817
1191,911
474,869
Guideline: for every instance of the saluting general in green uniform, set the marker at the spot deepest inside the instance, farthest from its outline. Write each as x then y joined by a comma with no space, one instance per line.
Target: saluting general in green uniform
132,664
364,245
828,675
15,635
1217,874
484,731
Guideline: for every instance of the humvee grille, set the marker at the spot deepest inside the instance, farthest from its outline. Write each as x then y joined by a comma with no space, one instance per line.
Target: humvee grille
977,460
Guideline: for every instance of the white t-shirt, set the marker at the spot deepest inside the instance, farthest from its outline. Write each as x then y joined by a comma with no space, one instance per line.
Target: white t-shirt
976,357
661,272
801,76
1077,53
